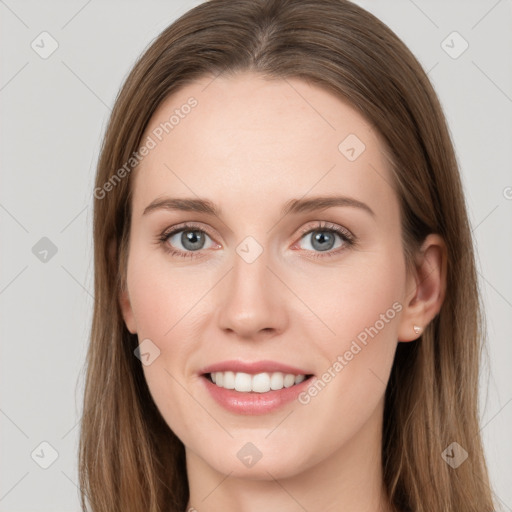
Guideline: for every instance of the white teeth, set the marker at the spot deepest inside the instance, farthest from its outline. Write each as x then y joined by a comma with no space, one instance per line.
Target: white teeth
229,380
259,383
276,381
242,381
289,380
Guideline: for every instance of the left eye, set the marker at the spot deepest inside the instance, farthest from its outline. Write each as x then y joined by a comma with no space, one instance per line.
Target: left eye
321,239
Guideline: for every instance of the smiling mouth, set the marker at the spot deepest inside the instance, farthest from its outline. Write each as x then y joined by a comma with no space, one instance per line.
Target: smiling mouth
255,383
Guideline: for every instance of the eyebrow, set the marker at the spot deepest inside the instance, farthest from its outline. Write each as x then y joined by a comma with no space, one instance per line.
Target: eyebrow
292,206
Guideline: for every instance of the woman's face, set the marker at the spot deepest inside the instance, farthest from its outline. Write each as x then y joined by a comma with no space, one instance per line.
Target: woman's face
266,283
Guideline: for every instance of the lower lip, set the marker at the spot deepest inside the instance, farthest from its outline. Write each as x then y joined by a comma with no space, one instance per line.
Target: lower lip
254,403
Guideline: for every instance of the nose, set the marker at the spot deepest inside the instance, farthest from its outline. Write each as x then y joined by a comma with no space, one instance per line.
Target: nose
252,301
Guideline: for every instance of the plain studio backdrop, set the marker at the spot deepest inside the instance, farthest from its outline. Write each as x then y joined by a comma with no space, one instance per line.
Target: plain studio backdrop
62,64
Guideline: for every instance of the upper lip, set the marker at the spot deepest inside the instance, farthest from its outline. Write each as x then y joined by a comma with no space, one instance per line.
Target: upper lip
253,367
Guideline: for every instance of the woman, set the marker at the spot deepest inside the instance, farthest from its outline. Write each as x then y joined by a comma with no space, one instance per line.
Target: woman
287,314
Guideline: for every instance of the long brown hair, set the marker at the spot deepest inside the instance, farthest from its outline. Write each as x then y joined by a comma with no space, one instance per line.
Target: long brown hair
129,459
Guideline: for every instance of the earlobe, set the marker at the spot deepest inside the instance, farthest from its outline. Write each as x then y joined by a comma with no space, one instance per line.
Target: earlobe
126,309
428,284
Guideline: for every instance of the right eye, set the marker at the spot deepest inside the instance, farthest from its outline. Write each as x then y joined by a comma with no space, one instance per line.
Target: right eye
191,238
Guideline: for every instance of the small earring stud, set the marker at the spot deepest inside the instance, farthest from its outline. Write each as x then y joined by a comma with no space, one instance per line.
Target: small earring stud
417,329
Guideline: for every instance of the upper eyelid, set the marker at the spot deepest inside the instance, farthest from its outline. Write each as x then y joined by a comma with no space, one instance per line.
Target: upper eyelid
328,226
185,227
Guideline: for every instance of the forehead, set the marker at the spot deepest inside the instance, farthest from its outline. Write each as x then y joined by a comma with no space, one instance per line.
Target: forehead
246,137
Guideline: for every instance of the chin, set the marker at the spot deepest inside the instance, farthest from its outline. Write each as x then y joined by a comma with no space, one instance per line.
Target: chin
245,460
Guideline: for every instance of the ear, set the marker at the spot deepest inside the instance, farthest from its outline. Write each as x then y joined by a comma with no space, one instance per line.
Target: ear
426,288
126,309
124,297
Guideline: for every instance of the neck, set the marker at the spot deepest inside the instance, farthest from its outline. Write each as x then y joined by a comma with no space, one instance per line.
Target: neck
350,479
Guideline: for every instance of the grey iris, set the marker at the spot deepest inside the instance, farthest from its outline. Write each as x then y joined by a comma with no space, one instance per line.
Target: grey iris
192,240
319,239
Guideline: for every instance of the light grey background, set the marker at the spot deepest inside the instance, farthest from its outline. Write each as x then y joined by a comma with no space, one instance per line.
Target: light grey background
54,113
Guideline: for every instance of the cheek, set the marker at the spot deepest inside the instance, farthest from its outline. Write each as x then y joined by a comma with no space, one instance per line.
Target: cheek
163,304
360,304
163,297
166,305
355,296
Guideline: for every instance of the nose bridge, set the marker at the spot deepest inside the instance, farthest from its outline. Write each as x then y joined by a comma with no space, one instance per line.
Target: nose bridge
251,301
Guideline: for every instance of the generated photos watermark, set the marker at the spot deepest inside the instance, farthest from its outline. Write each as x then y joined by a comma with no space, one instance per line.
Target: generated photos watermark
344,359
151,142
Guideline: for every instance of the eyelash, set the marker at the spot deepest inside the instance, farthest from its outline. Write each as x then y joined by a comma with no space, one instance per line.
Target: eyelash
345,235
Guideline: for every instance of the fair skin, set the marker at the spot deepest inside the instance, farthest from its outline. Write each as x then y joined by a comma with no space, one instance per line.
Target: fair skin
249,146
